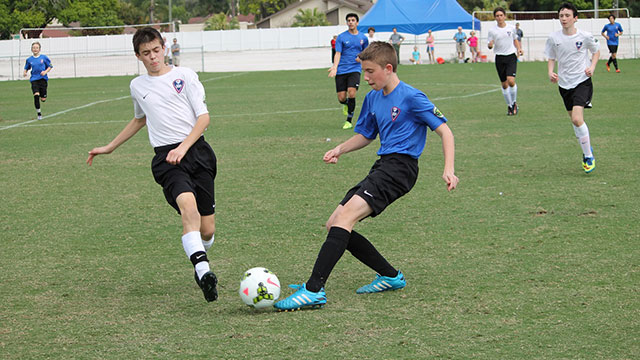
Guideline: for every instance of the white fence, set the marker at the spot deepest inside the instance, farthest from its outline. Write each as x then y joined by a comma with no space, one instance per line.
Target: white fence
267,49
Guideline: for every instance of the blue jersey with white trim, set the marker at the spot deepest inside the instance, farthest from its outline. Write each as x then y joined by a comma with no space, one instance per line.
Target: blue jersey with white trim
349,46
400,118
37,65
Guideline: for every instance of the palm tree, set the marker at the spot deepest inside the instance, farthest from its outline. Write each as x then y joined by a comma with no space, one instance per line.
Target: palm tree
308,17
221,22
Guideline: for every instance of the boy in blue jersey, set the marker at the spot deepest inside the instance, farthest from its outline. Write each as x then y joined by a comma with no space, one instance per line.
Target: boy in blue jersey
346,66
40,66
612,31
400,114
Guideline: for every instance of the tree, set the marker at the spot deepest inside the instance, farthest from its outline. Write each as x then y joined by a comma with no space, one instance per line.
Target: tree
309,17
221,21
18,14
263,8
93,13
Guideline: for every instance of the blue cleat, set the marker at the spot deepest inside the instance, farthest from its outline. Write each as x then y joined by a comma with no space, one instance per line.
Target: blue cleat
302,298
589,163
384,283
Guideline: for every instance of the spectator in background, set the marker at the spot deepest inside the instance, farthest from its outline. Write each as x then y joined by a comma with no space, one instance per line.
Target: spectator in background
460,39
175,52
415,56
333,47
395,40
371,32
473,46
430,47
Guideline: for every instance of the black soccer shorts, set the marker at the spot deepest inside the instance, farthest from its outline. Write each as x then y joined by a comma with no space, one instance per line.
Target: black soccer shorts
506,65
195,173
39,86
349,80
390,178
578,96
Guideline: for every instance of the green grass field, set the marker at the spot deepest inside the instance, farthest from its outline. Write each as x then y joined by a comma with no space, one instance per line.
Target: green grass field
528,258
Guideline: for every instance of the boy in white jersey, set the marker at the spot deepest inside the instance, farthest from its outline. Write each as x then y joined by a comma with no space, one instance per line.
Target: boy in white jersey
571,47
170,101
505,40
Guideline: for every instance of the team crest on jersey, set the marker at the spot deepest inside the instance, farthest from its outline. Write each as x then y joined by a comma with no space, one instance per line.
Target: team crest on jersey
578,44
437,112
178,84
395,111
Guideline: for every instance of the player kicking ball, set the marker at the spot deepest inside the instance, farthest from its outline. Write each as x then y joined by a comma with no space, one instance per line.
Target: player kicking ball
170,102
400,115
570,47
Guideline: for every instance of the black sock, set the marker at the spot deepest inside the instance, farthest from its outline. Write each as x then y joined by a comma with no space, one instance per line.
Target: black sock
615,63
364,251
609,61
36,102
329,254
351,106
343,102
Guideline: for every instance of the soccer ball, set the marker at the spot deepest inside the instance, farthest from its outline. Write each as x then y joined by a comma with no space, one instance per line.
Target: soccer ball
259,288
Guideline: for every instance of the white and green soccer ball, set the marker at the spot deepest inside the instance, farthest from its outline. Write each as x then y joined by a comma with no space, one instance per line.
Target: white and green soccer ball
259,288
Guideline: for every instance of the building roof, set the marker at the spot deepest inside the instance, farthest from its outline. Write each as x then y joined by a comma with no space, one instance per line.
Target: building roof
361,5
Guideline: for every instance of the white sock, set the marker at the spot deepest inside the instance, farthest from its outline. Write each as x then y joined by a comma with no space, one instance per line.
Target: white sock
207,244
582,133
507,96
192,243
513,92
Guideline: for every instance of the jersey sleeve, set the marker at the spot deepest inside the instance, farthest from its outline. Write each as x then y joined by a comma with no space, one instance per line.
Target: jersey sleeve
592,43
367,125
604,29
196,95
619,27
426,112
366,42
138,113
491,36
339,44
27,64
550,49
47,62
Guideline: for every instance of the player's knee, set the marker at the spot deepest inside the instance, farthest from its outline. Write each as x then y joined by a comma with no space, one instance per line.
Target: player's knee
207,230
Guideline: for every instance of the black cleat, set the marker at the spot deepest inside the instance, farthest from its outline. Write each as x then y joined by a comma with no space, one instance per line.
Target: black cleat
509,111
208,284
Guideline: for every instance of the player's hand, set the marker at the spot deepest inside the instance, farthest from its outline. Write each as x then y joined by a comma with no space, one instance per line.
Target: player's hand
589,72
451,179
43,73
606,37
332,71
331,156
553,77
175,156
490,45
97,151
520,52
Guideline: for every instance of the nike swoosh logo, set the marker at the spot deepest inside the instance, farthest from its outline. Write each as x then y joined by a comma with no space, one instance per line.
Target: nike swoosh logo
271,282
368,193
145,96
199,256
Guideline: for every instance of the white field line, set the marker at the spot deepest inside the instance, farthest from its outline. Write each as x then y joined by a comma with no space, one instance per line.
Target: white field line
26,123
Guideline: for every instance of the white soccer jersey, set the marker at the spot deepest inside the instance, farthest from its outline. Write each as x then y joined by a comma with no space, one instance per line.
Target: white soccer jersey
503,39
570,51
171,102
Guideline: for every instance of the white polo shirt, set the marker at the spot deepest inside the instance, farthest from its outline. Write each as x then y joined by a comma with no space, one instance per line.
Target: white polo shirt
171,102
572,54
503,39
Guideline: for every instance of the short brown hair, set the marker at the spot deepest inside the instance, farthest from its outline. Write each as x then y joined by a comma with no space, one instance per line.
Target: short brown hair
381,53
499,8
146,35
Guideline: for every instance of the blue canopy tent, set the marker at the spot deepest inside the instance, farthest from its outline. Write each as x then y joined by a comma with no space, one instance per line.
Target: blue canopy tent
416,16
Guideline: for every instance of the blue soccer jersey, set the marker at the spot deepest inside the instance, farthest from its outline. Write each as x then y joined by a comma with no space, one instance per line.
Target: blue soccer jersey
401,118
349,46
612,30
38,65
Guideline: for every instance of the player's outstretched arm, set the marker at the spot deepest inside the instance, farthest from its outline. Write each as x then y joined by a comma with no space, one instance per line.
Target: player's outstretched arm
551,66
448,149
354,143
131,129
